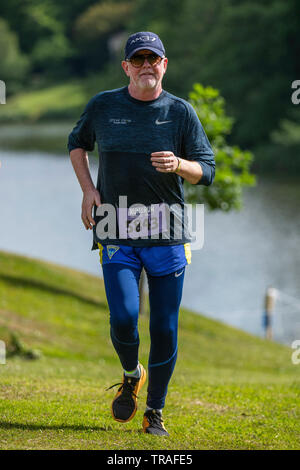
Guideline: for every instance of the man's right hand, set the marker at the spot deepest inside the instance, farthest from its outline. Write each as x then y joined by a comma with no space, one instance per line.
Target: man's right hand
90,199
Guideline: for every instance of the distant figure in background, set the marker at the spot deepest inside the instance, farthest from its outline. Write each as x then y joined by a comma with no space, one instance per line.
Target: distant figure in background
270,299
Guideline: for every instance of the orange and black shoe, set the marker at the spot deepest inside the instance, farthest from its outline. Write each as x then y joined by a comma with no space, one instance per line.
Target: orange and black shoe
154,424
124,405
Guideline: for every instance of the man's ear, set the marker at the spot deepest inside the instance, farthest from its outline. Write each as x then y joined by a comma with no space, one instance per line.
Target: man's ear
125,67
165,64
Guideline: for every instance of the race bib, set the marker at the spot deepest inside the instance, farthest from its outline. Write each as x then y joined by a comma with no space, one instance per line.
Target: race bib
140,221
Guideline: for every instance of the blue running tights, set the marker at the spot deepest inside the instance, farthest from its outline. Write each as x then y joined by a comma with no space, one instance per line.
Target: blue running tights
165,292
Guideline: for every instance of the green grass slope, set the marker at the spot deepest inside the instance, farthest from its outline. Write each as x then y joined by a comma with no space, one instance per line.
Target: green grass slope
62,100
230,390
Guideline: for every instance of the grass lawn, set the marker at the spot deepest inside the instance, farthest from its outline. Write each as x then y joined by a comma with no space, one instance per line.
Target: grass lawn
63,100
230,390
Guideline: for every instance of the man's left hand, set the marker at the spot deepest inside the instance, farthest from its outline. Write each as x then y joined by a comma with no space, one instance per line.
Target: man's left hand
165,162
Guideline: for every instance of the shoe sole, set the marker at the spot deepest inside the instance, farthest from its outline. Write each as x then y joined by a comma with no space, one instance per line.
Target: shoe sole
139,386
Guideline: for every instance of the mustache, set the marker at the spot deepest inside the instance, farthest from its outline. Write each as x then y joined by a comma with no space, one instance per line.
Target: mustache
147,73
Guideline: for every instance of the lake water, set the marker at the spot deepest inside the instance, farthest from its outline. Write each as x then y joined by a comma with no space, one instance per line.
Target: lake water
243,253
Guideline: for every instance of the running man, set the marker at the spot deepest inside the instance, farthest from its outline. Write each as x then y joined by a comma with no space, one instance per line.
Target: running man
149,142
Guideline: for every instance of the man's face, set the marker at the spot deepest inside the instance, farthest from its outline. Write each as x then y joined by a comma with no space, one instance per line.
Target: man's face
147,76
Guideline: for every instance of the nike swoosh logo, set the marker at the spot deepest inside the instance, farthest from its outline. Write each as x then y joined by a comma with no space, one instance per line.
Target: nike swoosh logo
179,274
161,122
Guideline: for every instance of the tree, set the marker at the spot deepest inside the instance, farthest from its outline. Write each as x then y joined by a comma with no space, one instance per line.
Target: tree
95,26
14,65
232,163
248,49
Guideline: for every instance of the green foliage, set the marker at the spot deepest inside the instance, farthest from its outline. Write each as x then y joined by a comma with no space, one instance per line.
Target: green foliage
284,151
51,47
50,53
288,132
94,29
248,49
232,164
102,18
251,55
210,107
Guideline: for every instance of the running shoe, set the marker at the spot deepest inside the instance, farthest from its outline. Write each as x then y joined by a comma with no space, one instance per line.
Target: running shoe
154,424
124,405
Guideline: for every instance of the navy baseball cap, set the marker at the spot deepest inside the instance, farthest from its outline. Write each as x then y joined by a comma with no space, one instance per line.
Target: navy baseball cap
144,40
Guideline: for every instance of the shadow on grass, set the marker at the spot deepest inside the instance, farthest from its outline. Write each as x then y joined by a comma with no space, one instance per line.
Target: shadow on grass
32,283
39,427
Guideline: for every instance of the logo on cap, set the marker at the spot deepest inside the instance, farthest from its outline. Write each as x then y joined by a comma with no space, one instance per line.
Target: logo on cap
143,38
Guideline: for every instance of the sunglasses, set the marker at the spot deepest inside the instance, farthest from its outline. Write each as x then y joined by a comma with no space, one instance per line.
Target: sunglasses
138,60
